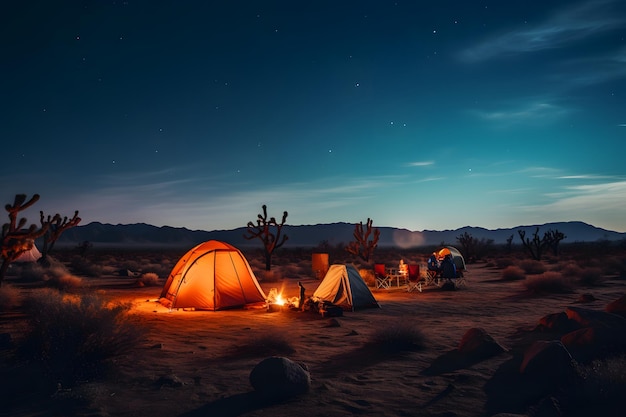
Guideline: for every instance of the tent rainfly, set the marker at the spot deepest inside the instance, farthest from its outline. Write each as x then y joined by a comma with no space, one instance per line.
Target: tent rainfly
457,258
212,276
31,255
343,286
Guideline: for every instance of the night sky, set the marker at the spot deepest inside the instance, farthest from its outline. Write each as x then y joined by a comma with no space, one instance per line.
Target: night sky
417,114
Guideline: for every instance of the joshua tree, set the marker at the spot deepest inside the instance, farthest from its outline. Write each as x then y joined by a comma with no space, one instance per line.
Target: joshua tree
263,230
536,246
57,225
363,246
15,239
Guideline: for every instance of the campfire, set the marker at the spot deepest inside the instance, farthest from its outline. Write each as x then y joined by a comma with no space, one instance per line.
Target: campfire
276,302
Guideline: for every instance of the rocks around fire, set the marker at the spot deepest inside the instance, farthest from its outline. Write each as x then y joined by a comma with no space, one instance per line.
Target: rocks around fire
276,378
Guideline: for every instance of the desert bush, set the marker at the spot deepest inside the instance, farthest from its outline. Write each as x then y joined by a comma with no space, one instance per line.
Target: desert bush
65,281
368,276
569,269
268,344
590,276
9,297
398,337
73,338
149,279
548,282
502,263
82,266
513,273
162,270
604,383
268,276
531,266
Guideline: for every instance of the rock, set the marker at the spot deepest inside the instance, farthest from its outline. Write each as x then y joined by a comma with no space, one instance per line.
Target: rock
586,298
547,358
557,322
332,323
477,344
593,318
617,306
279,377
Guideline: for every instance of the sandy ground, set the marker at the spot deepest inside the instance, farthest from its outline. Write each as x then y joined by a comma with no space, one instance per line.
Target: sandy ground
195,363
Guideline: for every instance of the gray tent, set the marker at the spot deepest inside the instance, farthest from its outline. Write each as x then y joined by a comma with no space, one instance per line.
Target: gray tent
343,286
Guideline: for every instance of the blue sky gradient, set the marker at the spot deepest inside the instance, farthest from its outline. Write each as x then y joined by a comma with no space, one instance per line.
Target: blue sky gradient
417,114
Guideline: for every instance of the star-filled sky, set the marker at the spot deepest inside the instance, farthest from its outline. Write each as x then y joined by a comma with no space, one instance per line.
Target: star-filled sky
418,114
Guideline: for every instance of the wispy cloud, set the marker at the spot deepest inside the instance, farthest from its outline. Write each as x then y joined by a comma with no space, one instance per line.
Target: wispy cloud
568,25
421,163
534,112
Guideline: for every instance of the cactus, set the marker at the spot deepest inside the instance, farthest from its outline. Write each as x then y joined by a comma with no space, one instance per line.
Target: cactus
56,226
536,246
262,230
363,246
15,239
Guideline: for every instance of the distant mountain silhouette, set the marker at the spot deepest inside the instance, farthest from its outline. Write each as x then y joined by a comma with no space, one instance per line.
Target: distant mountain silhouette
334,234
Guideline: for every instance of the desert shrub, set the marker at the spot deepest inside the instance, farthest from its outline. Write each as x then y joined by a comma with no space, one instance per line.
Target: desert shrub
569,269
9,297
368,276
590,276
398,337
548,282
73,338
604,383
513,273
503,262
162,270
268,276
268,344
65,281
149,279
82,266
531,266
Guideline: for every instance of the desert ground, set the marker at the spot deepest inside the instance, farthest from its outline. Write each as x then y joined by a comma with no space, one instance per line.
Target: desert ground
197,363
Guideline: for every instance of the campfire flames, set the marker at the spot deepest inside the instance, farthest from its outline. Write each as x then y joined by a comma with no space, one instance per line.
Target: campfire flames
276,299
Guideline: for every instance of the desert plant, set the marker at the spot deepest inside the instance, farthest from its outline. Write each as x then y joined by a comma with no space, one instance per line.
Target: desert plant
368,276
537,246
149,279
604,384
398,337
75,337
363,246
56,226
82,266
513,273
548,282
9,297
263,231
531,266
15,238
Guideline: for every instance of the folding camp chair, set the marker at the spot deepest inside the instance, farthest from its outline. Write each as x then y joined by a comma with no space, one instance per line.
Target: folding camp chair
383,280
413,280
432,277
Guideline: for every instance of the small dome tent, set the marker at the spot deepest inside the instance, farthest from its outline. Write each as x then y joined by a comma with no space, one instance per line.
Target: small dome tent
343,285
457,258
31,255
212,276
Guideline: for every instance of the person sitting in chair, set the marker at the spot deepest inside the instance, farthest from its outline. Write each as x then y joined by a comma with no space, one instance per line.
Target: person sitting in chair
448,268
433,264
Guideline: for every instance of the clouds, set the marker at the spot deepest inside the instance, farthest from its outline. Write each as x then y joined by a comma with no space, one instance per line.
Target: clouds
565,27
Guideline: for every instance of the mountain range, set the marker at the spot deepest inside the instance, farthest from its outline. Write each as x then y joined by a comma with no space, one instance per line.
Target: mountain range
333,234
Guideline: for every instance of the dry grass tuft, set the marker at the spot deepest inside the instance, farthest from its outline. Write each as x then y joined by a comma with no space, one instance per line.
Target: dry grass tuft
398,337
513,273
604,383
9,297
368,276
548,282
73,337
531,266
149,279
272,343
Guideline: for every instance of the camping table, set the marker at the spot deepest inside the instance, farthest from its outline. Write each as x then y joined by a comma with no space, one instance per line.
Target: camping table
393,273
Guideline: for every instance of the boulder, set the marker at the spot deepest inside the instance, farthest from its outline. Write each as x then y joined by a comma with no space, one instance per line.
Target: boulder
476,344
593,318
557,322
279,377
617,306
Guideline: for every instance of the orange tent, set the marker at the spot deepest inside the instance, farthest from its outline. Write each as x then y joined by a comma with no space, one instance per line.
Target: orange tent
457,258
212,276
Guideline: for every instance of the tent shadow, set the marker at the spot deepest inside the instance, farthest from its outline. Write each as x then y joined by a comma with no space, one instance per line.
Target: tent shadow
233,406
